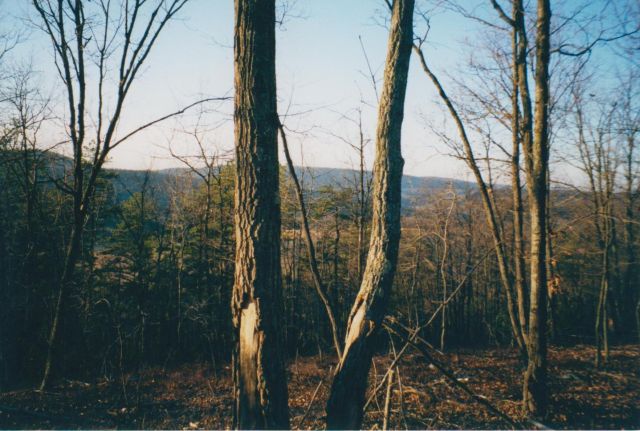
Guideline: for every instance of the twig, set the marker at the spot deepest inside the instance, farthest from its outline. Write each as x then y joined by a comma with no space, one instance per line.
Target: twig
400,389
166,117
387,401
393,364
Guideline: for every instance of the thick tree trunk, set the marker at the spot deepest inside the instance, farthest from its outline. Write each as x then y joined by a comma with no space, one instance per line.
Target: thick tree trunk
346,399
535,379
260,384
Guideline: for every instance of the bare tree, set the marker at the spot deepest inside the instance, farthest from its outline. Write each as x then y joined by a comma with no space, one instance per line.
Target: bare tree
599,160
361,182
260,384
22,162
487,200
346,399
444,238
627,123
88,38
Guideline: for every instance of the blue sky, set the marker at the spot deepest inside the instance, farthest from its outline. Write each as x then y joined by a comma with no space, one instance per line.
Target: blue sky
322,75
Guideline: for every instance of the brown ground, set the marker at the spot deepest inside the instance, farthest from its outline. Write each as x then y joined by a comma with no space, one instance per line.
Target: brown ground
195,397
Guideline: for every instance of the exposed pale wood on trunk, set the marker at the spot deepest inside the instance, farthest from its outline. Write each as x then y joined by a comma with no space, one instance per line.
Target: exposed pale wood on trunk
260,384
346,399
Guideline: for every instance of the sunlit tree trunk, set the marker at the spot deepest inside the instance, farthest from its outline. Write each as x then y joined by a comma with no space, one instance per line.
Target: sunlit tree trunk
535,394
346,399
260,384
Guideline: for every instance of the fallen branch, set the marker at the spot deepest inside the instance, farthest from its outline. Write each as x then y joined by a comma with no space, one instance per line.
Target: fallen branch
392,366
390,326
417,330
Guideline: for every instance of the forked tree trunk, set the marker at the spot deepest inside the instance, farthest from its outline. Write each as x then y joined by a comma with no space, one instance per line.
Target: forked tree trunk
346,399
72,60
537,155
260,384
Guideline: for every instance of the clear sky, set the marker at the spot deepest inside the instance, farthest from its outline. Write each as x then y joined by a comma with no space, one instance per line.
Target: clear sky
322,75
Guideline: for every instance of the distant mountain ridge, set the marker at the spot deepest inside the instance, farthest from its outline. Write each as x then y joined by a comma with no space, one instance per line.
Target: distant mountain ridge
415,190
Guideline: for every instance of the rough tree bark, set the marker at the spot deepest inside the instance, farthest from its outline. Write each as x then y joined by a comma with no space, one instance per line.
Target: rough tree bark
535,394
346,399
260,385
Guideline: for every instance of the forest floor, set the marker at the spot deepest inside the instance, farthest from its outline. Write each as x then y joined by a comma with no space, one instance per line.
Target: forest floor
195,396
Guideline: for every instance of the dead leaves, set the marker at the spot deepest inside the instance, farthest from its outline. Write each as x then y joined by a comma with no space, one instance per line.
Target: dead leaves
194,397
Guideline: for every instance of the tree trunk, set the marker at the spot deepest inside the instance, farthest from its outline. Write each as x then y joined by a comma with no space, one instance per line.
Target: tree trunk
71,259
260,384
630,208
516,188
346,399
535,378
362,205
553,282
601,311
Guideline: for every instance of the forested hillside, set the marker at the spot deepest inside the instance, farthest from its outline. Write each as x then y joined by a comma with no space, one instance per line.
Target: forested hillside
157,271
